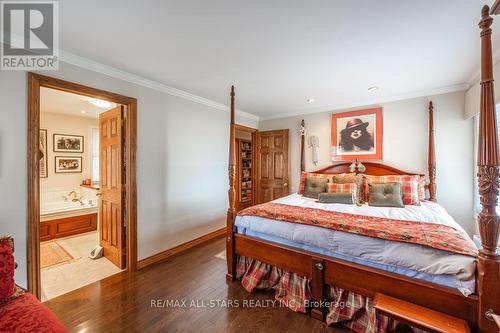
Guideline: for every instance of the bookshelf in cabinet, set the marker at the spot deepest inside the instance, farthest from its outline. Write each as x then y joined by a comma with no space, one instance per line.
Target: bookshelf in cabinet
244,192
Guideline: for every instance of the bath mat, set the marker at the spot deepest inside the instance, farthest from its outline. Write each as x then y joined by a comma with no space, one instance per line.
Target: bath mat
51,253
221,255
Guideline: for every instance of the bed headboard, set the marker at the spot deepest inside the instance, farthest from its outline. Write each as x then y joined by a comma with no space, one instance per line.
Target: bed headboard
372,168
379,169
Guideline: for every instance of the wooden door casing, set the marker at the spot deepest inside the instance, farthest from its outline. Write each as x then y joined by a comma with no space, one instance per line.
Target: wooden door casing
111,233
272,167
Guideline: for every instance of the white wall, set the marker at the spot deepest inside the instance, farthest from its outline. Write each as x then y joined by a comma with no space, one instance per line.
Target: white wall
13,170
181,162
63,124
405,146
472,96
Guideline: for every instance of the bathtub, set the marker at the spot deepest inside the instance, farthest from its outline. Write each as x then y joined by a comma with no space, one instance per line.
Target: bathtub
66,218
65,207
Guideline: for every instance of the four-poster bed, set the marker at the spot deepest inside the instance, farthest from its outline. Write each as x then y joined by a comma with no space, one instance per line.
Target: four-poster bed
323,271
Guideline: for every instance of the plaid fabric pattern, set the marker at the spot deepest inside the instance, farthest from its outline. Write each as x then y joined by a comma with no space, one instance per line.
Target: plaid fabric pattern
409,186
421,188
340,178
304,175
352,310
357,313
291,290
344,188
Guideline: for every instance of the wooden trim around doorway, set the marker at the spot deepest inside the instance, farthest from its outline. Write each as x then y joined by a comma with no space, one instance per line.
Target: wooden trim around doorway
35,82
243,128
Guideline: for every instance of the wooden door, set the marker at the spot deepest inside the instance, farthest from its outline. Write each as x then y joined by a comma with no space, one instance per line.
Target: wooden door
272,168
111,228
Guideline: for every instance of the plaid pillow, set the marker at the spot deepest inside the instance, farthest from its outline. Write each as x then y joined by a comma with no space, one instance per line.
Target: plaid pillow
351,178
421,188
409,186
304,175
344,188
342,178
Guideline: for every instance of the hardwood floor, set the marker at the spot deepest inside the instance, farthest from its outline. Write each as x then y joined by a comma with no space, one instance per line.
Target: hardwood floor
123,302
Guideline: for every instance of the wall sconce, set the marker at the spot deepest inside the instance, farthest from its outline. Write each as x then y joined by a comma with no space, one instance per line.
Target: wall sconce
357,165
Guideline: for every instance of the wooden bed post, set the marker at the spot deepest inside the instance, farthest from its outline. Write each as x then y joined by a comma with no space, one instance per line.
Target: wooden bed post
231,212
488,261
302,146
431,160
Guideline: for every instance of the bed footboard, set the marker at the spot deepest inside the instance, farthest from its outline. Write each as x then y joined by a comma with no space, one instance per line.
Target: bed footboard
324,271
303,263
368,281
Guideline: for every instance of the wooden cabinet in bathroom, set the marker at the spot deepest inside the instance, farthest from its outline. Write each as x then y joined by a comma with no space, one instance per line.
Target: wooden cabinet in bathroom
67,226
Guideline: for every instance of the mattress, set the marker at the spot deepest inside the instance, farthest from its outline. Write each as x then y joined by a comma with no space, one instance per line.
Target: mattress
412,260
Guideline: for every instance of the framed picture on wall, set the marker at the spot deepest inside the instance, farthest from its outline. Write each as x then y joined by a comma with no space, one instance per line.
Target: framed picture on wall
64,143
43,153
68,164
357,135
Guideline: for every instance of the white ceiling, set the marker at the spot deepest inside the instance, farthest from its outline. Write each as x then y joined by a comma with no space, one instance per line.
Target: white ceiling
56,101
279,53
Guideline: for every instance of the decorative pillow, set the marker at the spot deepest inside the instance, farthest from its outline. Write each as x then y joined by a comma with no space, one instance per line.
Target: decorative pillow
385,195
343,178
409,186
350,188
341,198
421,188
7,285
305,175
315,186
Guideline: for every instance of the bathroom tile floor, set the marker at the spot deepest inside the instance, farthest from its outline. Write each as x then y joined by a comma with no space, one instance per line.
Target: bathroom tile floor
81,271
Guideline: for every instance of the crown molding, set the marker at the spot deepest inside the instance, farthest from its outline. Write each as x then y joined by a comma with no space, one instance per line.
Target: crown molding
367,102
92,65
95,66
88,64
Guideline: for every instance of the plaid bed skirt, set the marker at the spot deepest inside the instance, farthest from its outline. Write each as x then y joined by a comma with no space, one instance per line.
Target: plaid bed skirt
355,311
347,308
292,290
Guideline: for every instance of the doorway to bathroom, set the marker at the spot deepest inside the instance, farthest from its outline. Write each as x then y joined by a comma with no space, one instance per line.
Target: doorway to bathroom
82,195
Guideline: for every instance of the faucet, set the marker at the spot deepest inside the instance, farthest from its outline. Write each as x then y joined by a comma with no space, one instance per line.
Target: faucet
74,198
74,195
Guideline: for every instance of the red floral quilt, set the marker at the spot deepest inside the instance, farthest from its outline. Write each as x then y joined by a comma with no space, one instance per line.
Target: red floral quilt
432,235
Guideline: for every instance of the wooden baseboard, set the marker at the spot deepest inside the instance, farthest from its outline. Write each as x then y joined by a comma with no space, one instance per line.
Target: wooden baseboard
179,248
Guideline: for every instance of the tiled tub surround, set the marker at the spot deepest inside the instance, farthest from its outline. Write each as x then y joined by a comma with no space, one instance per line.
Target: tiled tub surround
48,196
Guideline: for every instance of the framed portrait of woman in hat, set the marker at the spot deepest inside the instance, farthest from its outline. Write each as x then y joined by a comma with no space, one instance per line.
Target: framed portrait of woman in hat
357,135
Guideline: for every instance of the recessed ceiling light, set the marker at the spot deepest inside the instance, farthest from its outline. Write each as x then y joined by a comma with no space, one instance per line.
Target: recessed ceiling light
83,112
310,100
100,103
374,88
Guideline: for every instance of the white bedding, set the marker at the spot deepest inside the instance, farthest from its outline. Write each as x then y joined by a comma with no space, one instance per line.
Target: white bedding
459,268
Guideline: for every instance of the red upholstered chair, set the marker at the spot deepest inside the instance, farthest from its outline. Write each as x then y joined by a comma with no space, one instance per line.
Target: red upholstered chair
21,311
